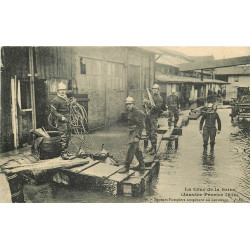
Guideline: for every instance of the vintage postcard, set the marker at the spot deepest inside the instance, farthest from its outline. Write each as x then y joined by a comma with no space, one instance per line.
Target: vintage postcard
125,124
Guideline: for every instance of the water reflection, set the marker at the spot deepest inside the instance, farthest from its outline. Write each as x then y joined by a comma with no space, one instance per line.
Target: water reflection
208,163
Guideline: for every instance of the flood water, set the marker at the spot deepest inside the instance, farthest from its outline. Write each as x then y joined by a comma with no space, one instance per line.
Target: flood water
186,174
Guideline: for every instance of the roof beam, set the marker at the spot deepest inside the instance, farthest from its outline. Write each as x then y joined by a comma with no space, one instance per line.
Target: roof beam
215,63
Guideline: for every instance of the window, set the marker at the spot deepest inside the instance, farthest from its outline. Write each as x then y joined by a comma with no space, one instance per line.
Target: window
82,66
236,78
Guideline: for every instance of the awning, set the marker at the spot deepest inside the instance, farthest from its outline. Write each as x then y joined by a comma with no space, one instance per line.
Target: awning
181,79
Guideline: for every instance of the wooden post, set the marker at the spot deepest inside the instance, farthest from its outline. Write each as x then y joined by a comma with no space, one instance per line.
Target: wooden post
192,92
32,87
19,105
16,118
14,112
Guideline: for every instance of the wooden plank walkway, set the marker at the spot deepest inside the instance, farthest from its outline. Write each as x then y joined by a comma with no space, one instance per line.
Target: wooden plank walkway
101,170
137,183
56,163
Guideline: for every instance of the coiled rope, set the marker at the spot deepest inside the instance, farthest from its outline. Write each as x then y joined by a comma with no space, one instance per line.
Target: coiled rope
78,121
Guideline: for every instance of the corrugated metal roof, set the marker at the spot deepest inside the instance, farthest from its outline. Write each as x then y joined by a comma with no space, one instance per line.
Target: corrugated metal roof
212,64
171,60
202,58
180,79
168,57
237,70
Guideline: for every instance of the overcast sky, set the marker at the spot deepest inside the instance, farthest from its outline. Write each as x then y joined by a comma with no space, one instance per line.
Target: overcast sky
217,52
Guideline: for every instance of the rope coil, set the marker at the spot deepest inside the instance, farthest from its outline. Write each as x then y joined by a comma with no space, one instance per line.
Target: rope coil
78,121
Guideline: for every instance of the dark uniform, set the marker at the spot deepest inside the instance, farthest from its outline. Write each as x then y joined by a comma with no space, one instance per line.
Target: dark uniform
209,130
151,121
173,107
59,109
136,125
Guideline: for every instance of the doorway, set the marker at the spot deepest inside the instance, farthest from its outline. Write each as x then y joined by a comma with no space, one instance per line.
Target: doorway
41,100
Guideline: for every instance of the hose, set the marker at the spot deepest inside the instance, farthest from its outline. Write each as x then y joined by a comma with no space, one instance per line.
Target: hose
78,121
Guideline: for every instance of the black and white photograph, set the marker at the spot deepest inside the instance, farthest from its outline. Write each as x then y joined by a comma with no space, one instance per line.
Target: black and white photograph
125,124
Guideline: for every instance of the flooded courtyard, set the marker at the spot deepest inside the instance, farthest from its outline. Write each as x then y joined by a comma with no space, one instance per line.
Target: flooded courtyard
186,175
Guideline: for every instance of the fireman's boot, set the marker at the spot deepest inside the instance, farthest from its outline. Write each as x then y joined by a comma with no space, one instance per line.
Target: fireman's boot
141,161
125,169
205,146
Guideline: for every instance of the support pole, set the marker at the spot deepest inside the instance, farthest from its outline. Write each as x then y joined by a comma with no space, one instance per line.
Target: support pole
32,87
13,111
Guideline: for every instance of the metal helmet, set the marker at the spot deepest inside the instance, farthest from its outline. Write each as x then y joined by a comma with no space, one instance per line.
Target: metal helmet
156,86
129,100
210,105
61,85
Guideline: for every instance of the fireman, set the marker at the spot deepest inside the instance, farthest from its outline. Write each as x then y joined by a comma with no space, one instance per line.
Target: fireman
152,120
60,111
209,129
136,125
173,105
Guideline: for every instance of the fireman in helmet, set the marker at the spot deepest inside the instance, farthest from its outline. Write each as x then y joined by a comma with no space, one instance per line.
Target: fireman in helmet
136,125
152,119
60,110
173,105
209,129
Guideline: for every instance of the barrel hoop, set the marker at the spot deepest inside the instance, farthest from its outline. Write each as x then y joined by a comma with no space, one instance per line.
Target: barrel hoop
17,193
11,177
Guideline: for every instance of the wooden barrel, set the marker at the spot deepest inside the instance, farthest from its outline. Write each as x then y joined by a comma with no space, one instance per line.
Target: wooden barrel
50,148
15,181
16,187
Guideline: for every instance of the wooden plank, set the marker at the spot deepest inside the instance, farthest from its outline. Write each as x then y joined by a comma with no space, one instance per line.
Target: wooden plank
119,177
44,165
79,169
136,177
162,130
136,184
168,134
26,110
101,170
